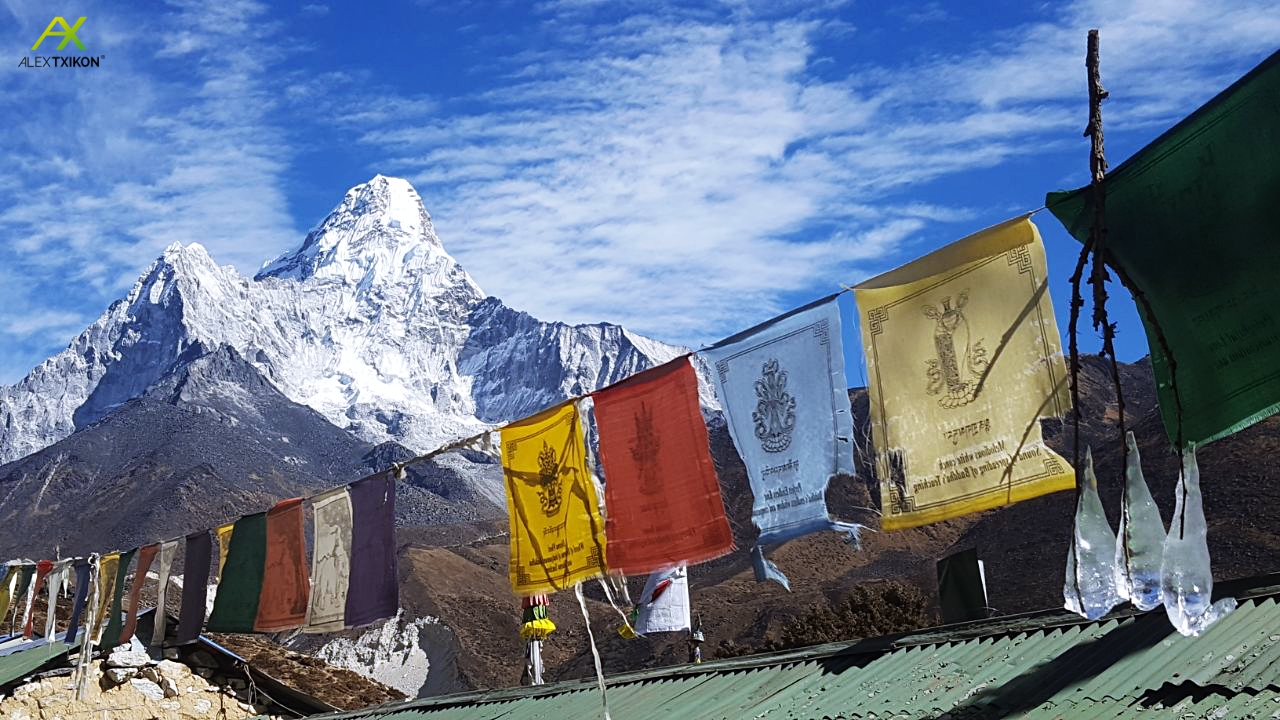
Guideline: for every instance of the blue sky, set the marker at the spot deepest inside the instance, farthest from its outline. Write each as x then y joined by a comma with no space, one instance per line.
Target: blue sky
686,170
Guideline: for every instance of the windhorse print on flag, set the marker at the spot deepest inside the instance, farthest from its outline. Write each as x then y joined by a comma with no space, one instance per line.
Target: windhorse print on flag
963,360
330,561
784,394
557,535
661,491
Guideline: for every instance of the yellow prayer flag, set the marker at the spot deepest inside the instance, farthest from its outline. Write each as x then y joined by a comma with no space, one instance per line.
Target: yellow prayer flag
108,566
964,358
224,546
557,536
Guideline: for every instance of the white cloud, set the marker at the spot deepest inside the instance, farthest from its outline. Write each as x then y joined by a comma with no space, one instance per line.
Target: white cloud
171,139
688,173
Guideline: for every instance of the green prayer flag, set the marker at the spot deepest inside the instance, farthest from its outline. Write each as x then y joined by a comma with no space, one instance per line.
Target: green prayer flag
1193,221
236,605
115,621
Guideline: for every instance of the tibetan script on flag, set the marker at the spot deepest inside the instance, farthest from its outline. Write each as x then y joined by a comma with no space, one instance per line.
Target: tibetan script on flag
963,360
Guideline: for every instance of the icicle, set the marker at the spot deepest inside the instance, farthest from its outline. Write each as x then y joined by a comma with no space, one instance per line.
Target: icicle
595,653
1090,588
1186,581
1140,542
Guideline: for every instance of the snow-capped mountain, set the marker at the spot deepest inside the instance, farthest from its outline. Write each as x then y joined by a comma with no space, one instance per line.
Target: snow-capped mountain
370,322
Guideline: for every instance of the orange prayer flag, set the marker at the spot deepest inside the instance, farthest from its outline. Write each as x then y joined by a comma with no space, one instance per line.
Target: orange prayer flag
663,499
286,582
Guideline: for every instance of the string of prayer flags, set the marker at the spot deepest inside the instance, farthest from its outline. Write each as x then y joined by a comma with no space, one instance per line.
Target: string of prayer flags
235,606
374,590
1193,226
330,561
43,568
557,536
111,635
286,585
963,359
146,556
783,390
84,570
107,566
662,493
195,586
168,549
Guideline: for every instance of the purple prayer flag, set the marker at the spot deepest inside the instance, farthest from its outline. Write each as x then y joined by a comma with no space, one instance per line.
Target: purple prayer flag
195,586
374,591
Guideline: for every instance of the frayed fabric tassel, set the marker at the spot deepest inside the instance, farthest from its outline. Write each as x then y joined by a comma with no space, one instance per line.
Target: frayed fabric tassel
595,653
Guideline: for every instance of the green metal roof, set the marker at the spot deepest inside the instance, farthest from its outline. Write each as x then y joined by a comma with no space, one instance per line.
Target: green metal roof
21,663
1044,665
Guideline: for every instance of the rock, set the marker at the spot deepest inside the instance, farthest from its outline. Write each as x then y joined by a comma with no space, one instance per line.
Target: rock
150,673
175,670
202,705
117,676
151,690
204,672
169,687
125,658
170,653
202,659
237,684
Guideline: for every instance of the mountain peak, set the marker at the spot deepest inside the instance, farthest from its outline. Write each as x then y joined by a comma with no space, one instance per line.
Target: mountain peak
380,224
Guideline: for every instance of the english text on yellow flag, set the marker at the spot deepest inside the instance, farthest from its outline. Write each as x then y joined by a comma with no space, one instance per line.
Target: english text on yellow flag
963,359
557,535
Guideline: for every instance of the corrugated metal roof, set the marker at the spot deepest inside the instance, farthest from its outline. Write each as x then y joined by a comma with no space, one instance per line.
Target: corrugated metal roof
24,661
1045,665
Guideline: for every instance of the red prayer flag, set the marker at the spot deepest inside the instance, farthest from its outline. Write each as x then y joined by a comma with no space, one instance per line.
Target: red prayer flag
145,556
43,568
286,581
661,492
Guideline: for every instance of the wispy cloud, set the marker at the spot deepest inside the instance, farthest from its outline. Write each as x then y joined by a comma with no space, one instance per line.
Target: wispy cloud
687,173
169,140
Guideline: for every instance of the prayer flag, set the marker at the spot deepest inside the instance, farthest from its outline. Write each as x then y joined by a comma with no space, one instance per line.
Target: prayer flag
664,602
167,550
224,546
286,585
56,579
107,566
11,573
146,556
43,569
22,599
1193,224
786,401
557,537
661,488
235,606
330,561
374,590
111,635
195,586
963,359
83,572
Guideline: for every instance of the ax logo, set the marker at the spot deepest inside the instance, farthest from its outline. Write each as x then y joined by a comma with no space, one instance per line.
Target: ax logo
67,33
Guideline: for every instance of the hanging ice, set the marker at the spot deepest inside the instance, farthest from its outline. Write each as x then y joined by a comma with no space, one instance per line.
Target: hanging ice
1090,588
1140,541
1186,582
